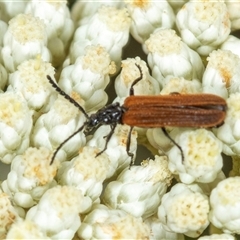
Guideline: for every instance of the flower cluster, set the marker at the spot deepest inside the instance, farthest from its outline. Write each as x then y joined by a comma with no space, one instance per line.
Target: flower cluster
58,189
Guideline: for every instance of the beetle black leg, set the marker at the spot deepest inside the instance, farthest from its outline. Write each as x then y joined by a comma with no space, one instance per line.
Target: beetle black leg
128,147
108,137
168,136
131,91
66,140
174,93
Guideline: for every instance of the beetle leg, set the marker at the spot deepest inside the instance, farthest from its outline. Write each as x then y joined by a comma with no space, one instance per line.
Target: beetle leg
168,136
108,137
131,91
128,147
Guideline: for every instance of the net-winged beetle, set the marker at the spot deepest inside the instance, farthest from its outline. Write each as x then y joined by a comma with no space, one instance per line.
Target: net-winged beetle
175,110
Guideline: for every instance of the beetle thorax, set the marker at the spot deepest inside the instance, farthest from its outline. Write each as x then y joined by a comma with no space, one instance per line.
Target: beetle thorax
109,115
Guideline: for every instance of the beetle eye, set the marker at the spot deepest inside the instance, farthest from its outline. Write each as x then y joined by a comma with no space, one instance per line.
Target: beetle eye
105,120
95,122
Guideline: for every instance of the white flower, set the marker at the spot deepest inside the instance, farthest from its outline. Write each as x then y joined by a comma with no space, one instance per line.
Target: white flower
222,73
8,214
59,25
86,172
158,231
3,28
82,11
159,141
222,236
3,71
29,80
203,24
147,16
184,210
233,7
207,188
55,126
225,205
168,55
129,72
229,132
202,156
25,38
104,223
89,76
57,213
139,190
232,44
10,9
15,126
116,148
173,84
31,175
109,27
25,230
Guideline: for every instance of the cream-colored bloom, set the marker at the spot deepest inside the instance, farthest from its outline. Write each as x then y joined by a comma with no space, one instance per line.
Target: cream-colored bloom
30,177
3,30
158,231
55,126
204,24
25,39
233,7
232,44
89,76
57,213
116,148
207,188
15,126
225,205
139,190
202,156
222,73
82,11
59,25
8,214
180,85
184,210
159,141
10,9
30,81
129,72
229,132
168,55
25,230
147,16
109,27
104,223
86,172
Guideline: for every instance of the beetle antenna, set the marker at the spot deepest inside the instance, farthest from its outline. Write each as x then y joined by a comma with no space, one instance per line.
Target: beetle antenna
71,100
66,140
168,136
131,91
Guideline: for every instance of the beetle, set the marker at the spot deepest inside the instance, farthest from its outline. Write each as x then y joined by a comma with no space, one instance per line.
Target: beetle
175,110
